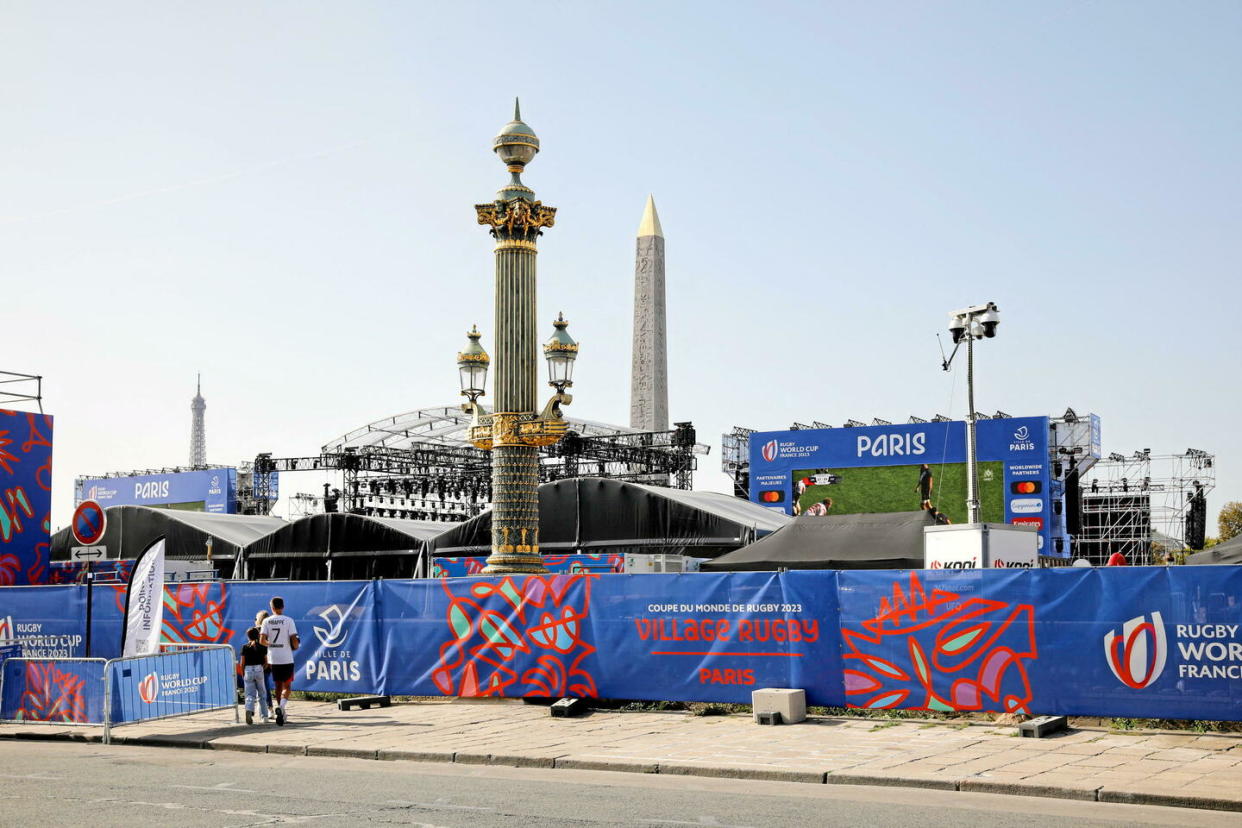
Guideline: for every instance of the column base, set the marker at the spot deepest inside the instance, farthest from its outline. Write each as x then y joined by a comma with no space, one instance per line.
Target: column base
509,560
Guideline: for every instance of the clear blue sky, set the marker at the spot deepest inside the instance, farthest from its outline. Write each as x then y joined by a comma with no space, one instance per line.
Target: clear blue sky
280,195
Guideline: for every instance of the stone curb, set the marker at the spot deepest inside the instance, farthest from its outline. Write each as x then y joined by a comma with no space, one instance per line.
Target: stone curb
1208,803
672,768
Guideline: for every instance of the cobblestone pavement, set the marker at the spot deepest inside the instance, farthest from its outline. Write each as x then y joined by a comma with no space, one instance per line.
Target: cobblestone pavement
1184,769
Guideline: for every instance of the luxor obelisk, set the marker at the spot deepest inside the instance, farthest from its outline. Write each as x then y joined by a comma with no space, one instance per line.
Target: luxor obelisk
649,370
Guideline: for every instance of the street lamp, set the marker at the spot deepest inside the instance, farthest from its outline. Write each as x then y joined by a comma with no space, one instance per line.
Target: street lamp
969,324
472,368
560,352
513,432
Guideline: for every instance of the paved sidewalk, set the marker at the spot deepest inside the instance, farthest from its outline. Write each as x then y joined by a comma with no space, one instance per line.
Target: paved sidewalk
1186,770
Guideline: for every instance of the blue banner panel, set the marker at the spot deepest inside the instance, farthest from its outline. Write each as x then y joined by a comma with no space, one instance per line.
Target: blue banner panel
48,621
25,497
52,690
706,637
214,488
170,684
1149,642
338,626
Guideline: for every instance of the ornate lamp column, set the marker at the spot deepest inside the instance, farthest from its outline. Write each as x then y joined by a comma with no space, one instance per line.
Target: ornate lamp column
514,431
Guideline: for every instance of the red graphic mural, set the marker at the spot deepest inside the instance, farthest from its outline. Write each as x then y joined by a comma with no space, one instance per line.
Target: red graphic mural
52,694
193,613
941,651
517,636
25,497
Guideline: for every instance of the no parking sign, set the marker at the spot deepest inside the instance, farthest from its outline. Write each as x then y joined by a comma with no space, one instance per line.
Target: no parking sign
89,523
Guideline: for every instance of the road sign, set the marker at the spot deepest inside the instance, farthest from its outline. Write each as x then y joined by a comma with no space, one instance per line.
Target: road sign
89,523
88,553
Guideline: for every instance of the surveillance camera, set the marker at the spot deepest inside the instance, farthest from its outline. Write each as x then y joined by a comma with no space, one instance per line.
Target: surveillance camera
957,326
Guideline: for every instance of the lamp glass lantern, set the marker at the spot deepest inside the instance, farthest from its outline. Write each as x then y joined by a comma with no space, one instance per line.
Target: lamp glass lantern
561,351
472,366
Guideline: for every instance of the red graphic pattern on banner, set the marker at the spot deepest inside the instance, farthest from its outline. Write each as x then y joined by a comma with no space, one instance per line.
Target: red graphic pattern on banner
52,695
940,651
194,614
517,636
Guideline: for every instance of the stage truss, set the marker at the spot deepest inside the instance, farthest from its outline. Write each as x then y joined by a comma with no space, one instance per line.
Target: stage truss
419,465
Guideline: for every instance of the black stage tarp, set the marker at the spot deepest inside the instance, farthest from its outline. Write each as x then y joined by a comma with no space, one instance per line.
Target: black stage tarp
886,541
595,515
1226,552
357,547
131,529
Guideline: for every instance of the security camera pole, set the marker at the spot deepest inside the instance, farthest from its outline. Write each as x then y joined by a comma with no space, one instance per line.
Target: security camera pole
975,322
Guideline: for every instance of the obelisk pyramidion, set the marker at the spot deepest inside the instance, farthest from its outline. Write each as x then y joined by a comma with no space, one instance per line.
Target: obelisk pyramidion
649,372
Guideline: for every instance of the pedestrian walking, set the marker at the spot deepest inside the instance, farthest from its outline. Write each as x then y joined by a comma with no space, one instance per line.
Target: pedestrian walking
267,675
254,668
280,635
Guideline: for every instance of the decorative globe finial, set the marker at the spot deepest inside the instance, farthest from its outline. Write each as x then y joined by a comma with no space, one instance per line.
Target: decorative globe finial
516,145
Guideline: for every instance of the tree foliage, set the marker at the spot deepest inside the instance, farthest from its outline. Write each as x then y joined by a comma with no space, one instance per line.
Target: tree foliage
1230,521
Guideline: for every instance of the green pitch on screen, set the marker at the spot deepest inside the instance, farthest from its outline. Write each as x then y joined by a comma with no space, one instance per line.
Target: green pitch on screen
879,489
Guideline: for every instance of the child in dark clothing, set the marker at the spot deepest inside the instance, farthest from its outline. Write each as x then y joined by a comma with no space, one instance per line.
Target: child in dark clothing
253,665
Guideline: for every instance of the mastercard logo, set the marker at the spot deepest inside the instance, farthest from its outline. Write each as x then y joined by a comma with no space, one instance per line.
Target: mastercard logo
772,496
1026,487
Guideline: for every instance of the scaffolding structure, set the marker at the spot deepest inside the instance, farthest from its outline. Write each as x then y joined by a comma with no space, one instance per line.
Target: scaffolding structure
735,459
1142,505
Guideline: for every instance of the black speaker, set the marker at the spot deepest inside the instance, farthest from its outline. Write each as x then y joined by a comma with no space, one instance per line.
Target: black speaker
1073,503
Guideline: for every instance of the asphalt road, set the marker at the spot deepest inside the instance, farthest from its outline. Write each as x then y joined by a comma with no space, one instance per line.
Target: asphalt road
56,783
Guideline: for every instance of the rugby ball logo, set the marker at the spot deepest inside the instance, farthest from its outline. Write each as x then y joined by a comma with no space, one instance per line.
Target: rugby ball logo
768,451
1137,655
149,688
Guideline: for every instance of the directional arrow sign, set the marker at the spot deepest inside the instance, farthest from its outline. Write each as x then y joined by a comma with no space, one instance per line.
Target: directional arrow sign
88,553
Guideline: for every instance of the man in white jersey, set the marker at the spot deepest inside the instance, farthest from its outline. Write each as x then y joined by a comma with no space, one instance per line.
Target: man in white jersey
280,635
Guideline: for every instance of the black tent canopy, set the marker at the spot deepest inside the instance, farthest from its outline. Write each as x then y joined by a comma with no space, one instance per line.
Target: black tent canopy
348,547
592,514
1226,552
131,529
884,541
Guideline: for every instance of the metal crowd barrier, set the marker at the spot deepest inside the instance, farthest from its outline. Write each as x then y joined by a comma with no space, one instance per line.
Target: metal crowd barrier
113,692
13,662
144,695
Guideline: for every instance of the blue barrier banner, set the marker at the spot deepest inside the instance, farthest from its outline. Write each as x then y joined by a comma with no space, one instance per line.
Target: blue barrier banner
48,621
65,691
170,684
1124,641
1158,642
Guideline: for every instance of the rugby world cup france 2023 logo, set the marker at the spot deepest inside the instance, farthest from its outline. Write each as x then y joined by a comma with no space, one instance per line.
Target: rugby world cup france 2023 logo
1137,655
149,688
769,451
